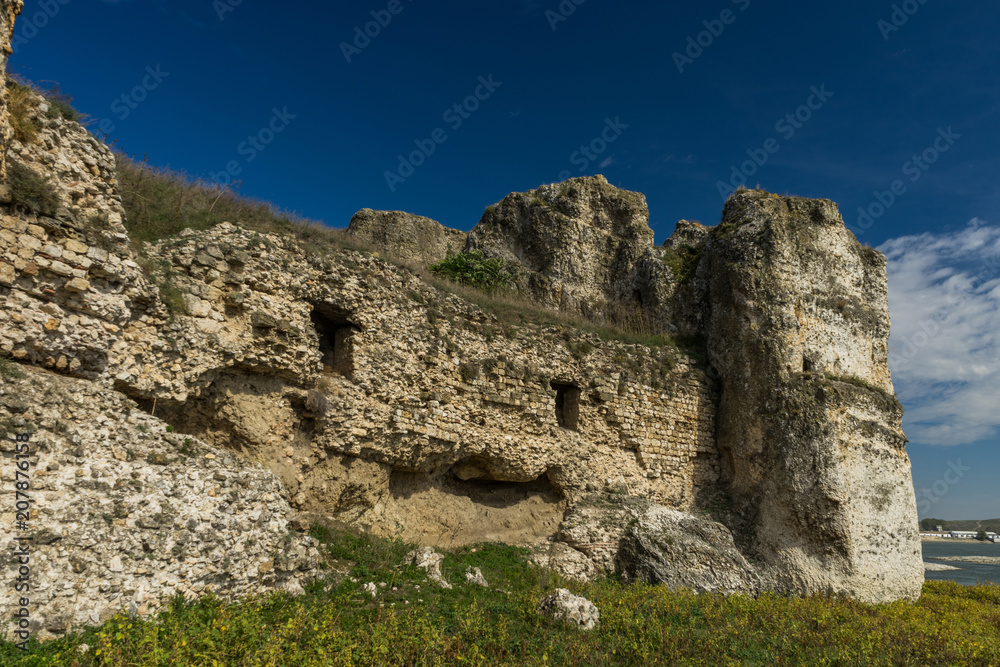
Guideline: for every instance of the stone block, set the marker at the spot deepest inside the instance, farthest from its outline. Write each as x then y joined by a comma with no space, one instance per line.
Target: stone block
61,269
77,285
75,246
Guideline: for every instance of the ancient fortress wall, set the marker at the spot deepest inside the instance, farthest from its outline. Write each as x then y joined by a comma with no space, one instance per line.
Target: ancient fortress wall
264,384
413,380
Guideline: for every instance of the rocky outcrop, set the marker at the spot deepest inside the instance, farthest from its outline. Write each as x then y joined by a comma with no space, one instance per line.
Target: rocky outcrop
406,236
572,245
429,561
126,513
9,11
809,429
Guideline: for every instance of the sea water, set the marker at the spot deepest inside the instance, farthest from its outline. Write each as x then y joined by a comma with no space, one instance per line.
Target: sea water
970,573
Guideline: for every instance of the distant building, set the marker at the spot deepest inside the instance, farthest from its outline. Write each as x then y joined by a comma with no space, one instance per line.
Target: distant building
964,534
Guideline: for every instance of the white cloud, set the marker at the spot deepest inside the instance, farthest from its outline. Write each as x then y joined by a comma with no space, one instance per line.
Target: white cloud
607,162
944,353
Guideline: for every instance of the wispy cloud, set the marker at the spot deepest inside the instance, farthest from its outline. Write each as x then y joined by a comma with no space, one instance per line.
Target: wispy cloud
607,162
944,299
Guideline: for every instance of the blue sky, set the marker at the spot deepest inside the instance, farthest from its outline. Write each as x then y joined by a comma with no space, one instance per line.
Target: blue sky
890,109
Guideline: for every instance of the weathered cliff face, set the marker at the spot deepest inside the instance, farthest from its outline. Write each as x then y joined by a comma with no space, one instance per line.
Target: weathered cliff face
406,236
9,11
809,429
572,245
125,514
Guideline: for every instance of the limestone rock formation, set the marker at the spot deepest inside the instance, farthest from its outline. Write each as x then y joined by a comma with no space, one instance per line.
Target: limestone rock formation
573,609
809,429
428,560
125,513
406,236
71,281
572,245
343,385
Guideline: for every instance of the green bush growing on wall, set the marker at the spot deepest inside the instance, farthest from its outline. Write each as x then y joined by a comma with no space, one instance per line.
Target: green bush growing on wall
475,269
30,190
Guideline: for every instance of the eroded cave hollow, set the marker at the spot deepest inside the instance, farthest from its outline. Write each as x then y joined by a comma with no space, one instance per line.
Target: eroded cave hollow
444,510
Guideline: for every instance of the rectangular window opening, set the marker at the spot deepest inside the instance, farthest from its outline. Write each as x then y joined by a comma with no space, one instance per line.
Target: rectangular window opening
567,405
336,342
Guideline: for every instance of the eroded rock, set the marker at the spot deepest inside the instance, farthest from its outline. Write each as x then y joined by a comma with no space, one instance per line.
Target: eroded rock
664,546
430,561
406,236
573,609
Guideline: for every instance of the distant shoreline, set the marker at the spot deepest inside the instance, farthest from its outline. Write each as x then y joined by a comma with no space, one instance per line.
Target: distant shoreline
955,540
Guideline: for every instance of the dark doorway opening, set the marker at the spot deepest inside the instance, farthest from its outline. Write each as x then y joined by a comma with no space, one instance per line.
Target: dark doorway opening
336,340
567,405
807,366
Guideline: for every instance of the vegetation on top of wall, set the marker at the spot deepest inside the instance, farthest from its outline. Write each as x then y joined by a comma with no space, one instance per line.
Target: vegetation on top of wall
476,270
60,104
31,190
859,382
160,203
412,621
22,104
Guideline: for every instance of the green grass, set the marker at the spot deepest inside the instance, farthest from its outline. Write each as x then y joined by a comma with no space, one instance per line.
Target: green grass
21,100
337,623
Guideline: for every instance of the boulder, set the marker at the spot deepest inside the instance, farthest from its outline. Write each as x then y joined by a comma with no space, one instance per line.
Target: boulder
406,236
665,546
573,609
474,575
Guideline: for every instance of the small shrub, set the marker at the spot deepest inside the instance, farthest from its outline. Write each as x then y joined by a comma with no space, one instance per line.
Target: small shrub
11,371
476,270
60,106
31,190
21,101
317,403
172,298
683,262
469,371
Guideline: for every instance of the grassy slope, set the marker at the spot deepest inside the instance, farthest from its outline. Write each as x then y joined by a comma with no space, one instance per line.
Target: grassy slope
338,623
